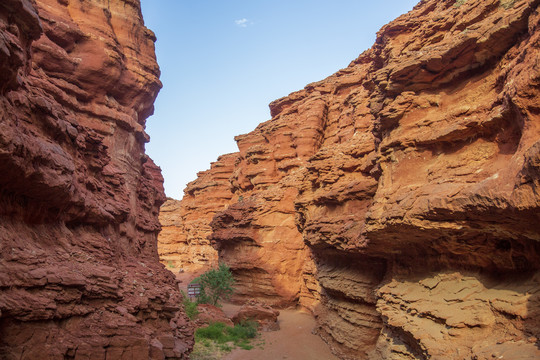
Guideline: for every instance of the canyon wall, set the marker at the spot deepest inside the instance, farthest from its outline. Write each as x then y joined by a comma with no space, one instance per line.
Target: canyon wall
79,199
183,241
399,198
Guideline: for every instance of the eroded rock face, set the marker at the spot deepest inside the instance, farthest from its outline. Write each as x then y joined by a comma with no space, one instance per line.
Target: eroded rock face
79,199
398,199
183,241
264,315
431,183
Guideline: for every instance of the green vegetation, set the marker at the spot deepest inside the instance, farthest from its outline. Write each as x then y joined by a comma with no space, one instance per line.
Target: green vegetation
227,337
216,284
190,307
458,3
213,341
170,264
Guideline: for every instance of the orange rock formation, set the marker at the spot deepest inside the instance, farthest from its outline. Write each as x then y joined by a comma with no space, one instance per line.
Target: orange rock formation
79,270
183,241
399,198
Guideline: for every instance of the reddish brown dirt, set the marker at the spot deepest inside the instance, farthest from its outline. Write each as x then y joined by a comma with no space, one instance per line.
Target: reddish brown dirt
293,341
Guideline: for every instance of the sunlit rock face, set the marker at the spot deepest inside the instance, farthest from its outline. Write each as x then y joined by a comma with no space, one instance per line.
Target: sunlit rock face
421,207
79,199
399,198
183,241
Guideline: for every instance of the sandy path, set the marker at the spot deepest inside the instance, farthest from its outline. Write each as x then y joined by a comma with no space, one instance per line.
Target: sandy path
294,340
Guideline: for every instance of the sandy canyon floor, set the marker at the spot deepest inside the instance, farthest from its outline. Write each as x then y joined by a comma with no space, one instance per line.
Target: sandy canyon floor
294,339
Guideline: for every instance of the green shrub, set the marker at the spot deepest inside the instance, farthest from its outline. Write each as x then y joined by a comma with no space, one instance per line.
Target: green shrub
190,307
214,331
216,284
240,335
458,3
244,330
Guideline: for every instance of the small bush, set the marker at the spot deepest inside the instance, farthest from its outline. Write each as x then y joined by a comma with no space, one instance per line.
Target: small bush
458,3
240,335
214,331
245,330
216,284
190,307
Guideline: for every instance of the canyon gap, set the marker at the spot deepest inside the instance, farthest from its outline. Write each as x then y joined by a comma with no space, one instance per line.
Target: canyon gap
398,199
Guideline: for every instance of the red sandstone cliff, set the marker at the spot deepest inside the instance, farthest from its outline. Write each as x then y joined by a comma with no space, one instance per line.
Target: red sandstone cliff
79,270
399,198
183,241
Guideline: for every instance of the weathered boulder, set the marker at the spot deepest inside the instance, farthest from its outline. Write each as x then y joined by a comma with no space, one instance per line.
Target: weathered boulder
210,313
263,314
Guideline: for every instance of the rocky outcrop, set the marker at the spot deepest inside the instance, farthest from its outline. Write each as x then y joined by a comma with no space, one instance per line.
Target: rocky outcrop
183,241
264,315
398,199
422,219
208,314
79,199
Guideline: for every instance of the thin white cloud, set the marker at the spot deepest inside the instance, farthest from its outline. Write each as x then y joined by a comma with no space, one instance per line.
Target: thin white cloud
243,22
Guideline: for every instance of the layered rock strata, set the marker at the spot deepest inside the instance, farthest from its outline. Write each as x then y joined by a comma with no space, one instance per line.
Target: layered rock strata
79,199
398,199
183,241
425,220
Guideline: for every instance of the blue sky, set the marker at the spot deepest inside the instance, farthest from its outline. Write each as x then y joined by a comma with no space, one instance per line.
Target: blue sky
223,61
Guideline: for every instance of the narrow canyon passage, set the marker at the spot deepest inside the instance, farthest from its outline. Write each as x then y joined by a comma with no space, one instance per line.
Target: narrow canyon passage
389,211
294,339
396,200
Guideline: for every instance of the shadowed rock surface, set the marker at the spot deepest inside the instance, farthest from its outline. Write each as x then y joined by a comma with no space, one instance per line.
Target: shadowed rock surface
398,199
79,199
